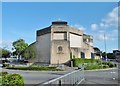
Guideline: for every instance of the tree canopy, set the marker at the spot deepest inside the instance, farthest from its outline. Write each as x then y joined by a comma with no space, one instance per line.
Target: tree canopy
111,56
96,49
4,53
19,46
30,52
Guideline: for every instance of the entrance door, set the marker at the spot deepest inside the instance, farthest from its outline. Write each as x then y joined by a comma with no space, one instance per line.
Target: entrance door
82,55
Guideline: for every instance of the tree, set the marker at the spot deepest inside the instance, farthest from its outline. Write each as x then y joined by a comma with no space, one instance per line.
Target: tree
110,55
104,55
30,52
0,52
19,46
4,53
96,49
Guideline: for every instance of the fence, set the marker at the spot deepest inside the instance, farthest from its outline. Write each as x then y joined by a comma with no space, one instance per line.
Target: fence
74,78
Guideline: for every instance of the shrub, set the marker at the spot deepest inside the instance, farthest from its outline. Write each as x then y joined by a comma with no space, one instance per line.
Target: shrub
3,73
110,64
98,61
0,80
6,65
70,55
12,80
104,63
73,56
105,66
115,65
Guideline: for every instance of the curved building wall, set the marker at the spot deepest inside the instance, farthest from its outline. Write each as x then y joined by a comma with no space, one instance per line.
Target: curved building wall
43,48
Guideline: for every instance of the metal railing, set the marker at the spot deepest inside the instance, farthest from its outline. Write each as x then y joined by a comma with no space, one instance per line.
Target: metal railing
74,78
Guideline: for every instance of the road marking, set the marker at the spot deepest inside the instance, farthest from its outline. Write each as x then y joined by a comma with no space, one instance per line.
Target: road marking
113,78
112,72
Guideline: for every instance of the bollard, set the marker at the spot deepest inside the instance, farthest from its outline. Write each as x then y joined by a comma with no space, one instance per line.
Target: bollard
60,83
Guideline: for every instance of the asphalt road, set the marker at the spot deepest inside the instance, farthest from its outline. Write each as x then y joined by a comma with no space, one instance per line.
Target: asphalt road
37,77
101,77
91,77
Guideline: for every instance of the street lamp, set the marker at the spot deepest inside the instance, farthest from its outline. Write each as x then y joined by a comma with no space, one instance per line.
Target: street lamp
105,47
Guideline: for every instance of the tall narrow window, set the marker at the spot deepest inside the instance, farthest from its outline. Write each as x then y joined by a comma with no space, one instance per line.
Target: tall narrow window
82,55
92,56
60,49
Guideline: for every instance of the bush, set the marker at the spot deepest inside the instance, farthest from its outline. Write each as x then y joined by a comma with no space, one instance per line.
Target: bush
115,65
6,65
98,61
104,63
110,64
12,80
105,66
0,80
3,73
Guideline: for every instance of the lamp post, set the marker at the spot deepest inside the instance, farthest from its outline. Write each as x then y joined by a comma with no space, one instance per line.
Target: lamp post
105,47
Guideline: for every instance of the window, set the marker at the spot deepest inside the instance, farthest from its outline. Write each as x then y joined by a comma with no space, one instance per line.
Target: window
82,55
84,40
92,56
60,36
60,49
91,40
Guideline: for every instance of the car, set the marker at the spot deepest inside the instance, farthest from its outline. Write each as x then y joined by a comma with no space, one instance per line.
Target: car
25,61
118,60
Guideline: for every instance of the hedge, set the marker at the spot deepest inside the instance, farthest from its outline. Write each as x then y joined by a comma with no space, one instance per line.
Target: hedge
91,67
90,64
78,61
37,68
12,79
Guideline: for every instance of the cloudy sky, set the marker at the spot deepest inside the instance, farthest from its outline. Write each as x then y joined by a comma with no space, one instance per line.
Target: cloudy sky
21,20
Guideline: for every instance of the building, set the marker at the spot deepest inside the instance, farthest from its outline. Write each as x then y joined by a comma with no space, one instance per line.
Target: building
55,43
116,54
97,53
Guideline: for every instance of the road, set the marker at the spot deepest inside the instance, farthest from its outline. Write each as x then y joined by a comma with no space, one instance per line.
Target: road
91,77
37,77
101,77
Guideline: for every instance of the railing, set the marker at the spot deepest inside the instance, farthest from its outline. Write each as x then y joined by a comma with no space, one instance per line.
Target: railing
74,78
119,73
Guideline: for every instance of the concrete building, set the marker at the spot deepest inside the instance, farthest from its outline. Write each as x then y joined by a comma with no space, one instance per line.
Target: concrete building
97,53
55,43
116,54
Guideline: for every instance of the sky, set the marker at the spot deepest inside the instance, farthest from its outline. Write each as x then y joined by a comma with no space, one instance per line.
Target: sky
22,19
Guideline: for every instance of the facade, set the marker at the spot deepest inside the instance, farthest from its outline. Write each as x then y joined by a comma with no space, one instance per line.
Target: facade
116,54
97,53
55,43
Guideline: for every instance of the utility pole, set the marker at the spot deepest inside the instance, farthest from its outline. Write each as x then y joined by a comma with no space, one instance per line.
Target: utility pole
105,47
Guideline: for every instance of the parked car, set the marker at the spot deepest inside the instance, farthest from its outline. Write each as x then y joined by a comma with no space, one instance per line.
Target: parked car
117,60
25,61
